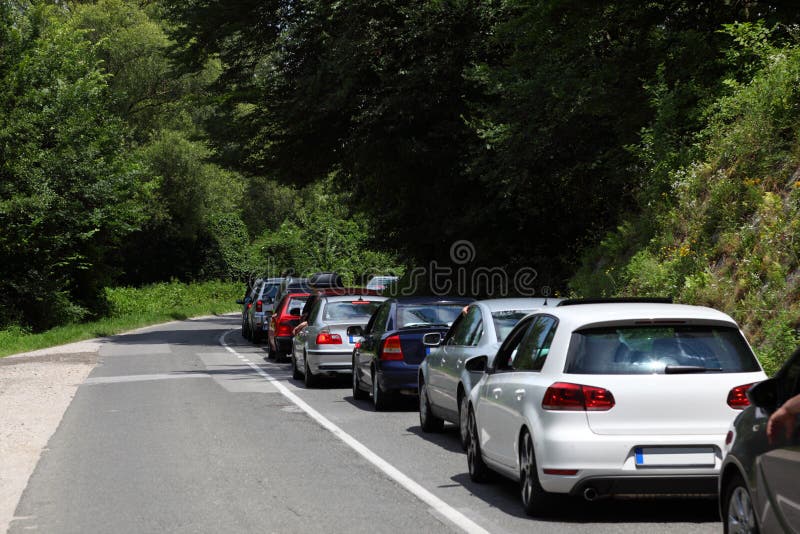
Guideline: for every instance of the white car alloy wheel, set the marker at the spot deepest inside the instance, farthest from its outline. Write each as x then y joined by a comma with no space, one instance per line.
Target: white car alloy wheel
741,519
534,498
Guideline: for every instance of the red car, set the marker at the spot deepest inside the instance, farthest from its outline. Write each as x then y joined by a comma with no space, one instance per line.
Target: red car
281,326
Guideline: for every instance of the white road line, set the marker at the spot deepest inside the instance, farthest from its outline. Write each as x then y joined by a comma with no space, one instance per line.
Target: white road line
460,520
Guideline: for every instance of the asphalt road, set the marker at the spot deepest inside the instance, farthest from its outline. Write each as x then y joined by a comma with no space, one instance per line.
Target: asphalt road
175,432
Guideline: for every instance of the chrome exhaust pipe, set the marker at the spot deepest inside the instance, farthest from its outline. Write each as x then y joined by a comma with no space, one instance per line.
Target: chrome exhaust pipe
590,494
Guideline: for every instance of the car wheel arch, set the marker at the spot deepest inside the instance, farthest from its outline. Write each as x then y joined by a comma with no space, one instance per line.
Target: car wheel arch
729,471
524,429
461,392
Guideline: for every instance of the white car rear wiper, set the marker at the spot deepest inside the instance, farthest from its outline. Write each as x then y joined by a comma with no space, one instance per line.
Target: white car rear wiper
686,369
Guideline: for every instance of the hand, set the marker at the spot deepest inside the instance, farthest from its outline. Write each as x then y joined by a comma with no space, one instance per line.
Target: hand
781,423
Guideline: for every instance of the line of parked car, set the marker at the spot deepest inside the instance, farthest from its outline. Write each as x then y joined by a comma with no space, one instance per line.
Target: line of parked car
594,398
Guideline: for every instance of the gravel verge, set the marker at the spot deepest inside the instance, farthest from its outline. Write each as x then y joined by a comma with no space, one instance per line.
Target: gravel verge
35,391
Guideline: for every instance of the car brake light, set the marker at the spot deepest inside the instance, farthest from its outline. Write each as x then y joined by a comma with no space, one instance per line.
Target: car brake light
326,338
737,397
392,349
564,396
357,345
283,329
258,305
249,305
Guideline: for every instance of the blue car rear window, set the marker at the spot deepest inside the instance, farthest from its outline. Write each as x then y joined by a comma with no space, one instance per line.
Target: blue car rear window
427,314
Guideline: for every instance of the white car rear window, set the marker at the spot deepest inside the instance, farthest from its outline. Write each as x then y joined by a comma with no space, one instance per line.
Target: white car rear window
623,350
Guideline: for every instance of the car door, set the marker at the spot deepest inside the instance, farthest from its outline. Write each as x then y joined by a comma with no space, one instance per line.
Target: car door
308,332
372,339
526,384
780,466
454,354
493,419
436,361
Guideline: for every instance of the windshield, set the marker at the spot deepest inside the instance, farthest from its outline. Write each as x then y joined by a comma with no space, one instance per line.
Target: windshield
506,320
623,350
428,314
357,310
381,282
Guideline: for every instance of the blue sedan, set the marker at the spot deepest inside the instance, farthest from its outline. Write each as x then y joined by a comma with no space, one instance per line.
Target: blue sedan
387,358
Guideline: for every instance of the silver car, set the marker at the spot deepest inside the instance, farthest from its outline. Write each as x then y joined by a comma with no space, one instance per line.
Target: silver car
261,303
323,346
444,382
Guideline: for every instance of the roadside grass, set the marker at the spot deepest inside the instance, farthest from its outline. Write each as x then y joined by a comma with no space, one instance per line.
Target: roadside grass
132,308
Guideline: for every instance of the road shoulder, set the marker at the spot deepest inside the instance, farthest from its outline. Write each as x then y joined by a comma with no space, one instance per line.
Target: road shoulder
35,391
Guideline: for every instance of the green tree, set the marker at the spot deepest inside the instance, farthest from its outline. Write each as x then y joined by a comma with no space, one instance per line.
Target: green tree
69,192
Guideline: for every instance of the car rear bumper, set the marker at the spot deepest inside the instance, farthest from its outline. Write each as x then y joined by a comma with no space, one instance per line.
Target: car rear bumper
608,463
330,361
398,376
261,320
674,485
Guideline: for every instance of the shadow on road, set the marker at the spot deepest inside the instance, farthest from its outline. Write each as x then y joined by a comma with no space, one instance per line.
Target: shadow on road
503,494
403,403
447,439
176,335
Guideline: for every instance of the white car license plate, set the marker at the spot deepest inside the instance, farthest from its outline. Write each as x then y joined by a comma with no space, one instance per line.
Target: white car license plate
674,456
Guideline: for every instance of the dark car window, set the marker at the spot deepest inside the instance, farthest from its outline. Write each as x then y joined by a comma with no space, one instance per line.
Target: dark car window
505,321
628,349
381,316
453,329
295,302
466,326
356,310
534,348
412,315
475,333
270,290
508,350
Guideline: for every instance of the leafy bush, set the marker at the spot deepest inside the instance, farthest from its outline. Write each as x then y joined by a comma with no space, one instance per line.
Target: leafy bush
727,230
69,190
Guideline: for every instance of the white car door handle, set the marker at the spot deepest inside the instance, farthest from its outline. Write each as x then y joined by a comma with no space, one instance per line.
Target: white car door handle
442,362
496,392
520,393
459,362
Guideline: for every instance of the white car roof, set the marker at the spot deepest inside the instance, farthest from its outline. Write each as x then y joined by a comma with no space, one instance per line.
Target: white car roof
518,303
583,315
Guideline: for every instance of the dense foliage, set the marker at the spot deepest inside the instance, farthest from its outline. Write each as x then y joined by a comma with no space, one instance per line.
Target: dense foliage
107,175
615,147
724,234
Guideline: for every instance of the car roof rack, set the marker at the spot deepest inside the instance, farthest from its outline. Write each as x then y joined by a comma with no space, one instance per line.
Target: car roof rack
617,300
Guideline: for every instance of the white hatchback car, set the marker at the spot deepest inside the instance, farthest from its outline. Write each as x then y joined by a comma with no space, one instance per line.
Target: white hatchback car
604,398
